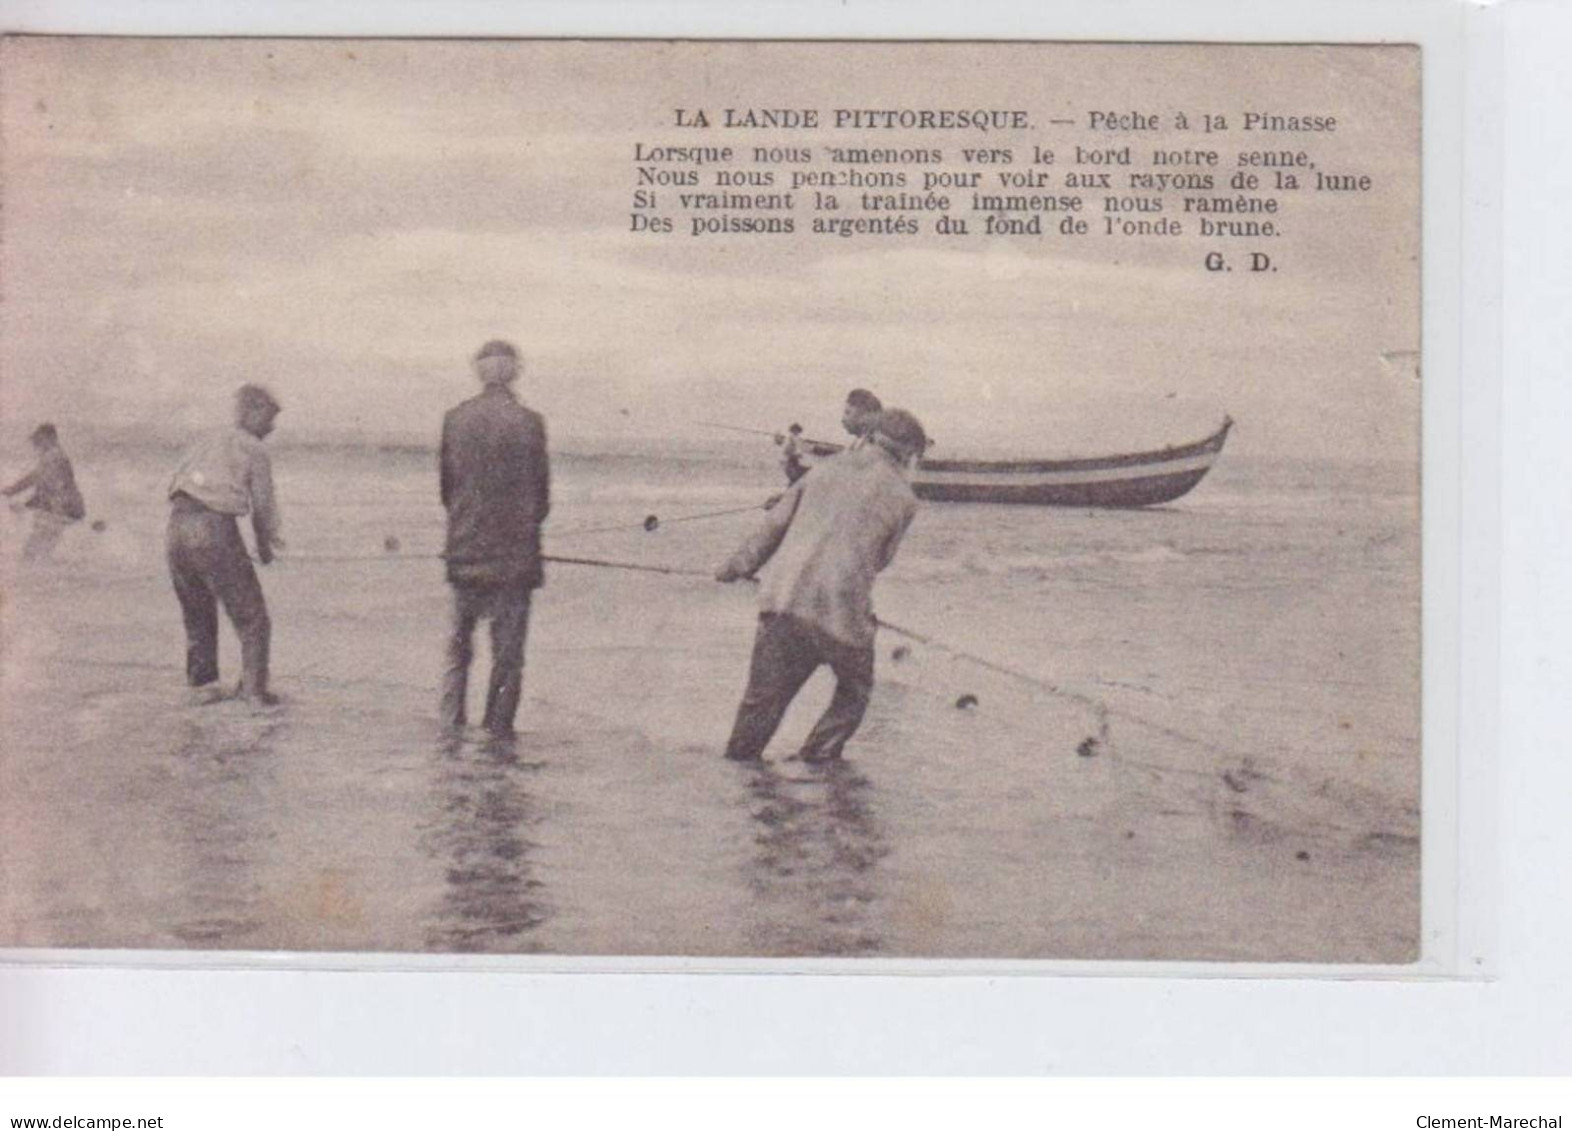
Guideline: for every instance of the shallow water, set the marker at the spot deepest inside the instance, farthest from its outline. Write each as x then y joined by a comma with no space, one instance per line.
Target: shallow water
1254,794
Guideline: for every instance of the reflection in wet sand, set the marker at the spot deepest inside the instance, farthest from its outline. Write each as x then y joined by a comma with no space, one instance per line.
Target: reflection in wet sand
491,901
222,770
814,873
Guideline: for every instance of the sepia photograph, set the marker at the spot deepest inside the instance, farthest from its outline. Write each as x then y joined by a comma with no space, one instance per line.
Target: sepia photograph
711,499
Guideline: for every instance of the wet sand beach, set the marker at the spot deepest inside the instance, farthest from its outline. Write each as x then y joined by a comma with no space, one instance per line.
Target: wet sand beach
1254,796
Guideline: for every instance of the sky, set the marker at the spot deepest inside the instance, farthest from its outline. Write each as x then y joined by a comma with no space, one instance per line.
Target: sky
347,221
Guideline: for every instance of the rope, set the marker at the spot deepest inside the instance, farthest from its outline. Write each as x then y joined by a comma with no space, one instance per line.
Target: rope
983,662
1099,707
559,560
634,566
648,527
286,558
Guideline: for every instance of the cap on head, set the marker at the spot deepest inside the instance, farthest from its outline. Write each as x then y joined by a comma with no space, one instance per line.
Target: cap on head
497,348
497,362
254,398
903,431
863,401
45,434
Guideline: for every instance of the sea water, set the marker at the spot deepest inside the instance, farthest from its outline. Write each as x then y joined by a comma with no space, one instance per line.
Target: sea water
1193,732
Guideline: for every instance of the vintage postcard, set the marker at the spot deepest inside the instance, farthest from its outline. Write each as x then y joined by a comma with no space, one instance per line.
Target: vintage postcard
875,500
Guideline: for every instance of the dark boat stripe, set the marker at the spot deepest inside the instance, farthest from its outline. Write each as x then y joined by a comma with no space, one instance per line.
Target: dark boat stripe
1147,491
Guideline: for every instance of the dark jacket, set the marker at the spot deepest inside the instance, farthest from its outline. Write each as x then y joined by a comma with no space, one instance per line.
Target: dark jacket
496,486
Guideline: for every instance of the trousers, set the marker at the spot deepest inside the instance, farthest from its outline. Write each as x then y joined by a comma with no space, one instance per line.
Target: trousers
786,651
209,566
506,604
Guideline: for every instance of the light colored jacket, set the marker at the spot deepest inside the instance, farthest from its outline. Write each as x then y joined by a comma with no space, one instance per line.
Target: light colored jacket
826,541
230,472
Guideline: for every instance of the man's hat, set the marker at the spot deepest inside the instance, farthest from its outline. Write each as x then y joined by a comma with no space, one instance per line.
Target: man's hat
255,397
45,431
903,430
497,348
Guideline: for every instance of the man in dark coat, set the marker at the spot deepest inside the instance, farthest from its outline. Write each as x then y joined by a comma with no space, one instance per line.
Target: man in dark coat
496,487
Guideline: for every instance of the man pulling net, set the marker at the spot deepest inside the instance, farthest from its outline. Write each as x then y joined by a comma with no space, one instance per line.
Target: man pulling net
828,538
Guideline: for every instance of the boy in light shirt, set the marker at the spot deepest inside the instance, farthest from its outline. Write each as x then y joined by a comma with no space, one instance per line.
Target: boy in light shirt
224,476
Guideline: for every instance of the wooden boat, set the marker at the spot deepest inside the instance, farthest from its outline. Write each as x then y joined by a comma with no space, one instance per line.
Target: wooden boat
1142,480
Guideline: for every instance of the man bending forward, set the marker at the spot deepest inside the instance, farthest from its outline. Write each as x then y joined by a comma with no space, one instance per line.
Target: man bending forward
828,538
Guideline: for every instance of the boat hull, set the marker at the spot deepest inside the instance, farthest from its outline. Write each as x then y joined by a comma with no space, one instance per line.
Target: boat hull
1141,480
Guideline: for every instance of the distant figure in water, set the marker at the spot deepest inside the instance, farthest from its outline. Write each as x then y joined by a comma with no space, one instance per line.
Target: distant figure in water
223,476
829,536
791,454
860,416
55,502
496,487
